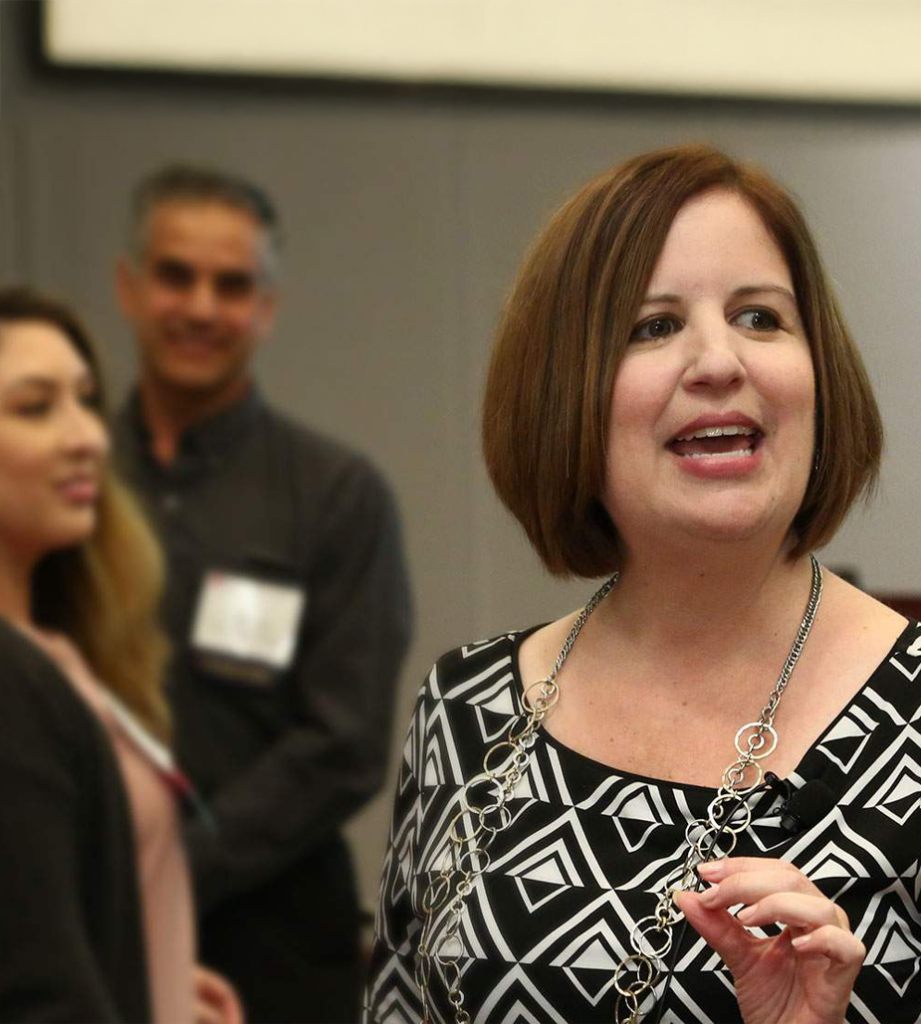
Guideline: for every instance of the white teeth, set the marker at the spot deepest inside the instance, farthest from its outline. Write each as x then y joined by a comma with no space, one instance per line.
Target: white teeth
743,453
729,431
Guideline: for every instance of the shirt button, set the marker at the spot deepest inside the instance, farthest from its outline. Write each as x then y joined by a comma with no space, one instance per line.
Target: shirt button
171,502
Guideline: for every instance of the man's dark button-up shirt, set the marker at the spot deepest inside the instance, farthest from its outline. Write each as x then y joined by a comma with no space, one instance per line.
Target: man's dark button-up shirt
282,758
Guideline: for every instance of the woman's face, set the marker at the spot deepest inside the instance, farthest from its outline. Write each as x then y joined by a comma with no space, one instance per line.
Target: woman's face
53,444
711,430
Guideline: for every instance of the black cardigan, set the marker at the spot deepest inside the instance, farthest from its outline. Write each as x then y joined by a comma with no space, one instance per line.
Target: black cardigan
71,943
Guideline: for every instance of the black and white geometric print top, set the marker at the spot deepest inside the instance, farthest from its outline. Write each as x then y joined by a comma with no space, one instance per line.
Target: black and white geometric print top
588,846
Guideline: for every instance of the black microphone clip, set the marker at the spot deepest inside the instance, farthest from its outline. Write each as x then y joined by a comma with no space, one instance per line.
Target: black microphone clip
804,807
780,786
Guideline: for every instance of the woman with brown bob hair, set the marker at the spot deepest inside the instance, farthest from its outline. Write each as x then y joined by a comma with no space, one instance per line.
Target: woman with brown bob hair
641,811
569,320
97,914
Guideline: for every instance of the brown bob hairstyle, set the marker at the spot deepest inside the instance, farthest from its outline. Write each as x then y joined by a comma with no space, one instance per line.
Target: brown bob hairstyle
567,323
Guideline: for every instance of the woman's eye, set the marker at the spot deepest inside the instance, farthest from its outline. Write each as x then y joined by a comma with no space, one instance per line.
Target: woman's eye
33,409
657,327
757,320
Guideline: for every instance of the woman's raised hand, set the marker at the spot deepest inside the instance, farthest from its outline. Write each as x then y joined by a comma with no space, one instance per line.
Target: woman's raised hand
802,976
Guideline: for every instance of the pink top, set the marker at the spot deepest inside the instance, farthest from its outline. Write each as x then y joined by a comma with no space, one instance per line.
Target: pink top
163,873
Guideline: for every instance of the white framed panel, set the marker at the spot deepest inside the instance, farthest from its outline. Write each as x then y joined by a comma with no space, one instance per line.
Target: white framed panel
826,50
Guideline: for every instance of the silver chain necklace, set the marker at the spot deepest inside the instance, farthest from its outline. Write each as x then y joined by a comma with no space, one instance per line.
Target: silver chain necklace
484,814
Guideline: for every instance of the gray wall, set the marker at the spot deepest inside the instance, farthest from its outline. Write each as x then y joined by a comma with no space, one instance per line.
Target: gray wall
406,212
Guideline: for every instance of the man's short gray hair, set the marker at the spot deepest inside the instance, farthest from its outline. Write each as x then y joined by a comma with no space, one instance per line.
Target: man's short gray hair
193,183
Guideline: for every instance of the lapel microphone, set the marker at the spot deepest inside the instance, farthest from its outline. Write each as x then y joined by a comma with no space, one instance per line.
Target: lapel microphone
804,807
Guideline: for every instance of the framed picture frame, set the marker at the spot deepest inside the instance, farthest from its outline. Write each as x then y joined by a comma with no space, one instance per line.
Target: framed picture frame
853,51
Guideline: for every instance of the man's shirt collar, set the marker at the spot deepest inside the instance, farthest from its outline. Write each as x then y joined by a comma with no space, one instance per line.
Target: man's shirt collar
203,443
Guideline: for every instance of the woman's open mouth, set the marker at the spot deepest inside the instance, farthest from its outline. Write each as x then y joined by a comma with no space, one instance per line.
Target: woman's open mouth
727,442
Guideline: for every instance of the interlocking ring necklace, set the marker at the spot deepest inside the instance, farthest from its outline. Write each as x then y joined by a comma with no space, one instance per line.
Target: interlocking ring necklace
484,814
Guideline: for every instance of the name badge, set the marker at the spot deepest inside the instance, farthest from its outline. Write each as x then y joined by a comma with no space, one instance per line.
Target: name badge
241,619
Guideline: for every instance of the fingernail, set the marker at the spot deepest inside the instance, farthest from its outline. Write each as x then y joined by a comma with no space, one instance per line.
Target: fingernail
710,869
709,896
801,940
744,915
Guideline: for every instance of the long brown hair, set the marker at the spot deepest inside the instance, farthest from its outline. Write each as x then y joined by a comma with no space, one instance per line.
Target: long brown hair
567,324
104,592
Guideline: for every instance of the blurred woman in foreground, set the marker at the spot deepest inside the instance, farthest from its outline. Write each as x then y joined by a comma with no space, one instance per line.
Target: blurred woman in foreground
696,799
97,921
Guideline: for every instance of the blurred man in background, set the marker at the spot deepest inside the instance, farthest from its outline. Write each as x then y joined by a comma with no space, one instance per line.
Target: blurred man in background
286,600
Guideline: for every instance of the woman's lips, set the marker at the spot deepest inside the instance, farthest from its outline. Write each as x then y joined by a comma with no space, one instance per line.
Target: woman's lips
725,457
730,439
718,445
80,490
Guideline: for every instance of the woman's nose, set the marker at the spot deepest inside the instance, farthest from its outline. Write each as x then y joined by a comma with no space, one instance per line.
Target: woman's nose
86,432
713,359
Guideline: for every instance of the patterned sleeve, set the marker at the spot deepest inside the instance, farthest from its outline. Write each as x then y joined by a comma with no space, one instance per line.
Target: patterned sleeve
391,994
